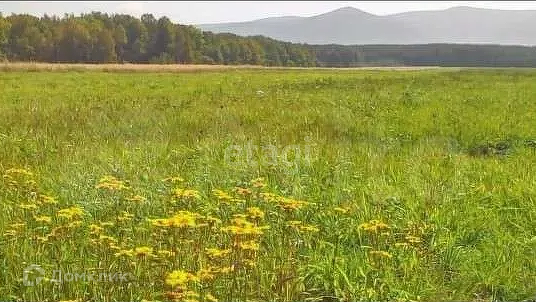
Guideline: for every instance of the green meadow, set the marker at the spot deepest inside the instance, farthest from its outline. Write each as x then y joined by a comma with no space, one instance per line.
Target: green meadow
268,185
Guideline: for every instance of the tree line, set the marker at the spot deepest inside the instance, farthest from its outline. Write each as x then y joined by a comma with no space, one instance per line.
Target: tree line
446,55
102,38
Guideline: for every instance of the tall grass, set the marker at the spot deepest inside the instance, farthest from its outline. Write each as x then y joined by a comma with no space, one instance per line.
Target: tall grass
420,186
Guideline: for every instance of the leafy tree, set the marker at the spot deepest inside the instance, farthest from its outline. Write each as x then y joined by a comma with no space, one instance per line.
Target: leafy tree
74,43
4,33
104,48
120,40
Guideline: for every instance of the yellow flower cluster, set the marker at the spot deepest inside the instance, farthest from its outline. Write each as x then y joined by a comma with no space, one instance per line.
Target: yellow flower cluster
413,239
374,226
217,253
111,183
125,216
180,278
223,196
175,240
143,251
342,210
299,226
243,191
290,203
44,199
19,171
258,183
95,229
71,213
173,179
381,254
186,194
250,245
182,219
44,219
243,227
255,213
28,206
136,199
269,197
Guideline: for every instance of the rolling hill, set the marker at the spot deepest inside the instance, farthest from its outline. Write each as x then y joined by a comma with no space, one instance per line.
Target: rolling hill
349,26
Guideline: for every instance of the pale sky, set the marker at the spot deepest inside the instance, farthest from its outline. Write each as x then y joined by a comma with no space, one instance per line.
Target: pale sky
197,12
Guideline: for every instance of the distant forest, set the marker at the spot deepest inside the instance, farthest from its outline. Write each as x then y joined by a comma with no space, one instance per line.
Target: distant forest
103,38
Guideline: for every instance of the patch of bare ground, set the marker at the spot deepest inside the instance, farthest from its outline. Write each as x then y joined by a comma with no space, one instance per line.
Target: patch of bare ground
25,66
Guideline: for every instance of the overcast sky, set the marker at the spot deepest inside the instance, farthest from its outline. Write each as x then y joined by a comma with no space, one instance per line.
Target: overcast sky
196,12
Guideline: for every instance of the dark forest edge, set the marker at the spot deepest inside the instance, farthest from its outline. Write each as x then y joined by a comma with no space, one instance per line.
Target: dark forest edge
118,38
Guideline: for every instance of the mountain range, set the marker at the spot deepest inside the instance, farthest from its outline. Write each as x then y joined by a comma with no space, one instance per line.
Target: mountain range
349,26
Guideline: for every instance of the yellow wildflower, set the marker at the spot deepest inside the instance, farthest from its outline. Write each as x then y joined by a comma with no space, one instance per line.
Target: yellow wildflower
240,220
179,277
29,206
381,254
269,197
207,274
19,171
109,239
373,226
45,219
294,223
143,251
111,183
210,298
161,222
173,179
413,239
43,238
48,200
249,245
165,253
290,204
217,253
125,216
212,220
258,183
128,253
74,224
226,270
180,220
309,228
181,294
184,219
223,196
12,233
255,213
243,191
136,199
70,213
401,244
95,229
247,229
342,210
186,193
17,225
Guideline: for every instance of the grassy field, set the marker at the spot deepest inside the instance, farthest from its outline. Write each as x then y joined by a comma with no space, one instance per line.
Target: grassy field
364,185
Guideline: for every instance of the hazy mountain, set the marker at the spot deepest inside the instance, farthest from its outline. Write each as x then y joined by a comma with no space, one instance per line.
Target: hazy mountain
349,25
